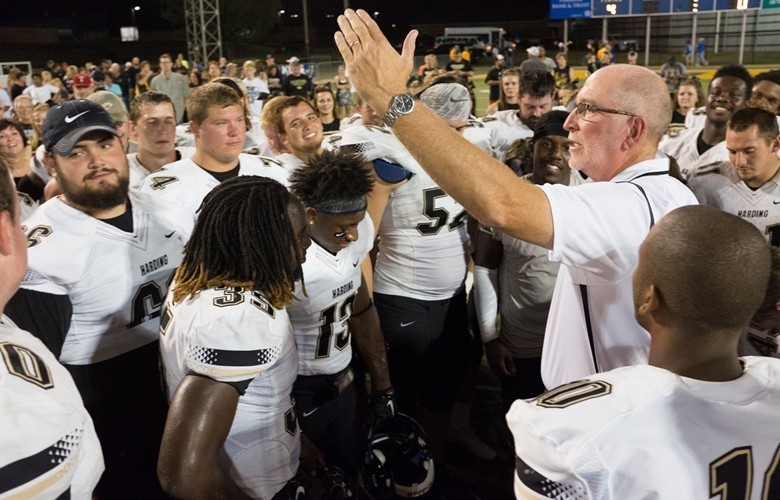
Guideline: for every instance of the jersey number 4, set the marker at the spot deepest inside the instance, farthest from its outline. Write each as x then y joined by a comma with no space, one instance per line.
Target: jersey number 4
329,318
438,216
731,475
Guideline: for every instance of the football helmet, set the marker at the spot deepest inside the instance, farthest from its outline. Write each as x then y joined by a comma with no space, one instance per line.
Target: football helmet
398,461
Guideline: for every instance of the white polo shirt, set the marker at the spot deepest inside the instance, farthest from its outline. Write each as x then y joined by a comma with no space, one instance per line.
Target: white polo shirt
598,230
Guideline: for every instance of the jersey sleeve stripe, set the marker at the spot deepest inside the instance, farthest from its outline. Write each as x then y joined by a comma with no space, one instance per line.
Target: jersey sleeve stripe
34,473
533,484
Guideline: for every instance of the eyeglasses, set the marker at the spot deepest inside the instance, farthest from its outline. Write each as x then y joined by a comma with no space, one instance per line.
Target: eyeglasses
585,110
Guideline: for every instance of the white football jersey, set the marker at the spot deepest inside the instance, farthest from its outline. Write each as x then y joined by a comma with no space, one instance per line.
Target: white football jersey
138,172
645,432
683,148
696,117
321,318
48,444
185,184
352,120
423,243
505,128
760,207
26,205
233,335
115,280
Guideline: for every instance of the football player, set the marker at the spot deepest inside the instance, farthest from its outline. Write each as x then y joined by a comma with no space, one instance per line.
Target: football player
333,187
299,130
702,148
701,275
516,278
420,268
228,349
218,121
100,258
153,124
43,416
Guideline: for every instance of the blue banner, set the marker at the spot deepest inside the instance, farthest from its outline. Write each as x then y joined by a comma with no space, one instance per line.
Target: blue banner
569,9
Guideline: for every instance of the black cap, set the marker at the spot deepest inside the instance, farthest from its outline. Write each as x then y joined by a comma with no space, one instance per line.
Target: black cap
98,76
67,123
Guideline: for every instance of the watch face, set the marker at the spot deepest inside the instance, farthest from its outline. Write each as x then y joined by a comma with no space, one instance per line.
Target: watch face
404,103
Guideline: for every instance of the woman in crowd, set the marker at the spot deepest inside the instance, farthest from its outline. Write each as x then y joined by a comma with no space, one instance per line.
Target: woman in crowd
562,72
343,96
690,95
194,78
509,92
274,79
144,78
325,104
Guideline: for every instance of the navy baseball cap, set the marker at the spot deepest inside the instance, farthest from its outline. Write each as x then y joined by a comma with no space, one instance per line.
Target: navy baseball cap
67,123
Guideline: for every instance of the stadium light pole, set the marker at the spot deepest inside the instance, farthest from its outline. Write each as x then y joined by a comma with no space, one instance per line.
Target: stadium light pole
742,5
132,16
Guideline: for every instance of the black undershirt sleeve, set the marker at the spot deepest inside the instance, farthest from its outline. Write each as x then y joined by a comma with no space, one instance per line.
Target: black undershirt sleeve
47,316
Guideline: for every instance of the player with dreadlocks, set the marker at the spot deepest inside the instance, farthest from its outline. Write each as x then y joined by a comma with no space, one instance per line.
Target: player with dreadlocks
227,346
333,187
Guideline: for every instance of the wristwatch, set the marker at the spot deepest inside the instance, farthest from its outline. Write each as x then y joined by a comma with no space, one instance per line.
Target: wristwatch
400,104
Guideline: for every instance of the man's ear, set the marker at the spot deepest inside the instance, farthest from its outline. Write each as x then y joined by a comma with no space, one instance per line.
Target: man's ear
311,215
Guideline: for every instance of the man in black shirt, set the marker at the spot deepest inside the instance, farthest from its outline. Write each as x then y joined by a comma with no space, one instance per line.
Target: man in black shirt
297,82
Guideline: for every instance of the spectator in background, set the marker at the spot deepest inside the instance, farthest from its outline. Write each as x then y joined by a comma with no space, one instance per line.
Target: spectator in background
324,104
687,53
690,96
181,65
509,92
23,115
533,61
297,82
546,60
343,94
492,79
459,66
39,91
110,86
701,52
256,89
18,84
562,72
431,64
274,79
632,57
176,86
194,78
214,71
672,72
144,78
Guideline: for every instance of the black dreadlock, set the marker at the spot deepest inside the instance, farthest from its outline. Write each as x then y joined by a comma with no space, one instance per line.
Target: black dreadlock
243,238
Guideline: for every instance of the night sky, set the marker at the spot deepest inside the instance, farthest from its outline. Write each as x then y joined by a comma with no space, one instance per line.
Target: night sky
86,14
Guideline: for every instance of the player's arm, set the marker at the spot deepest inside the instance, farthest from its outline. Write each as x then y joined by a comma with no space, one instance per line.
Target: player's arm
45,315
488,253
192,460
484,186
368,336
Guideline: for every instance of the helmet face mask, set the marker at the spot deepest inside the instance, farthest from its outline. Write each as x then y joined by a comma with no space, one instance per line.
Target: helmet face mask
398,461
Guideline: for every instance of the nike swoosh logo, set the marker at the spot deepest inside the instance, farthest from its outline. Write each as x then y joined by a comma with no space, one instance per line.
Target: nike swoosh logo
170,234
404,325
452,99
307,413
71,119
355,264
776,202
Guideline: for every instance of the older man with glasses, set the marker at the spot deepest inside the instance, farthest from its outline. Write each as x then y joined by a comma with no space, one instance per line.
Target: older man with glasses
593,230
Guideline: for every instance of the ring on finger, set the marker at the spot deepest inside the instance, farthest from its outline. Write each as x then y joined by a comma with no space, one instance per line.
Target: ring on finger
353,43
